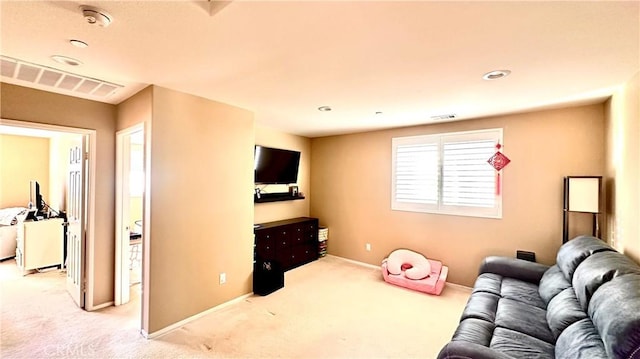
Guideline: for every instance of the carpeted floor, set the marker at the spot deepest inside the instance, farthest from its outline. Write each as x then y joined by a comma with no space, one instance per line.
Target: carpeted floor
330,308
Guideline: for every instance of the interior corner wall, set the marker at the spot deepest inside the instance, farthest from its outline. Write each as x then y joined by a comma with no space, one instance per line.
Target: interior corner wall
351,181
133,111
201,212
25,104
136,109
22,159
623,168
275,211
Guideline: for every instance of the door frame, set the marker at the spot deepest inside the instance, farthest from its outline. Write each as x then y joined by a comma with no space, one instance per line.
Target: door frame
121,289
89,205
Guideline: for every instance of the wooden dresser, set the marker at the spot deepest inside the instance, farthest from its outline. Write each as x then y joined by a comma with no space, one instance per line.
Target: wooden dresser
291,242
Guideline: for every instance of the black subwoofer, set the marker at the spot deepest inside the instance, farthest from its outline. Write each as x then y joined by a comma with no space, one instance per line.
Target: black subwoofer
268,277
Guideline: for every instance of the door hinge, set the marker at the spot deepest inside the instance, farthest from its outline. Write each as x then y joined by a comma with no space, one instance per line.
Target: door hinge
86,155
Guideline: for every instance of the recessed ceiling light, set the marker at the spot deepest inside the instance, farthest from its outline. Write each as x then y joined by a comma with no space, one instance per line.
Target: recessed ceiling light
497,74
79,43
66,60
324,108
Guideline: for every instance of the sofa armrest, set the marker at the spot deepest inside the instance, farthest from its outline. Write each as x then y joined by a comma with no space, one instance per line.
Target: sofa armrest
514,268
462,349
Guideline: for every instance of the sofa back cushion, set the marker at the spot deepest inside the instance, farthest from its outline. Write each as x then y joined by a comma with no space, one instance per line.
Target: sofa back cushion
552,283
598,269
564,310
572,253
615,311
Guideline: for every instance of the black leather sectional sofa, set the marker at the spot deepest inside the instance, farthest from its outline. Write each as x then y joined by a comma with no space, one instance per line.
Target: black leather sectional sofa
585,306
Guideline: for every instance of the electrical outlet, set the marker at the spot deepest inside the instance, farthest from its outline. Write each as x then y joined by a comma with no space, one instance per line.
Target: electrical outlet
368,247
223,278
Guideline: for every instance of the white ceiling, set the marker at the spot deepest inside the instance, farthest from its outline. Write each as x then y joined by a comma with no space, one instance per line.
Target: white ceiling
282,60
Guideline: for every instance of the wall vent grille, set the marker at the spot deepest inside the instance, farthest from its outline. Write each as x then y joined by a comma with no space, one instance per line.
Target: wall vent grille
49,77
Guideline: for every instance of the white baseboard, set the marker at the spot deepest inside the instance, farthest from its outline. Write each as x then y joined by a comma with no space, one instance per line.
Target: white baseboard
363,264
173,326
459,286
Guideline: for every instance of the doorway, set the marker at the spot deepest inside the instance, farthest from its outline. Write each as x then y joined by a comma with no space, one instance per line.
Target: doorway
130,188
70,150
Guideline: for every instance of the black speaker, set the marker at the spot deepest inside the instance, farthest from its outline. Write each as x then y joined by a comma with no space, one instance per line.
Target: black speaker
527,256
268,277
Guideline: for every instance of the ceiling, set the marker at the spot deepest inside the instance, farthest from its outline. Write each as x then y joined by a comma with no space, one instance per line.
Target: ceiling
411,61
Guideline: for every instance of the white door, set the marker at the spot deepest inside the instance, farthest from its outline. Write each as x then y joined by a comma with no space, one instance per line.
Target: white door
129,184
76,222
123,217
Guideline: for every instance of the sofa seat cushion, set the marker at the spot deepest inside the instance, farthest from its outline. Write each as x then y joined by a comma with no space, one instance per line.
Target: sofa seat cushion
520,345
482,306
598,269
522,291
564,310
615,311
580,340
553,282
474,330
523,318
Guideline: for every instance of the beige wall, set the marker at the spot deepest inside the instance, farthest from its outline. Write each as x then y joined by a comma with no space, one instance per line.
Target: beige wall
274,211
22,159
623,168
201,215
136,109
351,181
24,104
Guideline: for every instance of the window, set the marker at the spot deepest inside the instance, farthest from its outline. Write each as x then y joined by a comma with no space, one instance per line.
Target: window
446,173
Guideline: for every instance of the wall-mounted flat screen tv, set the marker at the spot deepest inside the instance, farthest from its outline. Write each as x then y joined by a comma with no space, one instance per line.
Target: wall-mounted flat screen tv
275,165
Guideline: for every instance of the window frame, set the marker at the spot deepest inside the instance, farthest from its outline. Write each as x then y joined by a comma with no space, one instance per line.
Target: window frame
494,134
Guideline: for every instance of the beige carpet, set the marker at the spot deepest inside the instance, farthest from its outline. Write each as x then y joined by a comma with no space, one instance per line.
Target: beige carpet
330,308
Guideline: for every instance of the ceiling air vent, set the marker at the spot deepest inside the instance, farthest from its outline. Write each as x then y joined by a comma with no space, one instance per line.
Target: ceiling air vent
38,76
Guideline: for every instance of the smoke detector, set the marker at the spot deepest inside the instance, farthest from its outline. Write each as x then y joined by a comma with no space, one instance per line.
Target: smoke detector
96,16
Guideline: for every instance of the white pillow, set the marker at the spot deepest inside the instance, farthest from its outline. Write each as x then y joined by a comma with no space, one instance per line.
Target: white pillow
414,265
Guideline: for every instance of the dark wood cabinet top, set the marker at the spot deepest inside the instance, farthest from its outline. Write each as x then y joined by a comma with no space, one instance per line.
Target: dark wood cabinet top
283,222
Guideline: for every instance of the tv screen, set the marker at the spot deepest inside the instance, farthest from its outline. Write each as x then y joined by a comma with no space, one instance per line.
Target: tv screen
35,198
275,166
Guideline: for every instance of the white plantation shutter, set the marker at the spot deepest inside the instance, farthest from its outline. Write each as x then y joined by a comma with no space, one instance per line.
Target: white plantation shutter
446,173
467,178
416,169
